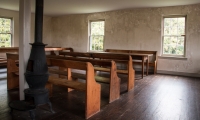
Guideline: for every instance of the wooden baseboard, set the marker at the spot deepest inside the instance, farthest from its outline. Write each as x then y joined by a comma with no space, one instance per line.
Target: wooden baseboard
151,70
171,72
178,73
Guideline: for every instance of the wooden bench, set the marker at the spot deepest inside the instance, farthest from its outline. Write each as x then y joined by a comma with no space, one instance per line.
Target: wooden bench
91,88
75,54
126,59
52,50
4,50
153,59
12,71
113,80
118,58
12,63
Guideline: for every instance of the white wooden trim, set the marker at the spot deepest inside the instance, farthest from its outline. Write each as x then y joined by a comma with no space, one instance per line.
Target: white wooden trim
24,40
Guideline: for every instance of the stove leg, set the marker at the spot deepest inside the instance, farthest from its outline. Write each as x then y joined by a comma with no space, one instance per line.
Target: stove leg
50,105
32,114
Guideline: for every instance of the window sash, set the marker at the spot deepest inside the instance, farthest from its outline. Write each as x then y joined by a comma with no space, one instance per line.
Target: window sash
96,42
5,42
173,46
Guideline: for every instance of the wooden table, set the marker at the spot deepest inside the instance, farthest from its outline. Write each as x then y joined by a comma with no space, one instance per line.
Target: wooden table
135,56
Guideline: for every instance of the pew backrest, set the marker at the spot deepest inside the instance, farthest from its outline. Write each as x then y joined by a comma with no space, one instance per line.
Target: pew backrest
75,54
152,58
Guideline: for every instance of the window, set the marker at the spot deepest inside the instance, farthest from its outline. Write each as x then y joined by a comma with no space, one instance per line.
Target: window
96,35
173,39
5,32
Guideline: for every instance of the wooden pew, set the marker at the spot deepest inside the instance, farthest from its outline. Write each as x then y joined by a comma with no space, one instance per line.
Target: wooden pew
75,54
12,71
113,81
118,58
152,62
127,59
91,88
4,50
3,60
52,50
9,49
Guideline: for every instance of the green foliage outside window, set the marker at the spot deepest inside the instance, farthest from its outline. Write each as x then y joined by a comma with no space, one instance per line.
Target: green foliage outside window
174,36
97,35
5,32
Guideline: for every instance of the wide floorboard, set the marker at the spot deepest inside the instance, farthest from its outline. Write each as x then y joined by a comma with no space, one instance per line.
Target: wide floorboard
156,97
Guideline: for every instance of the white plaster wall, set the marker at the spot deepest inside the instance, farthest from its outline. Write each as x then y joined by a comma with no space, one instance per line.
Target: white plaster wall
46,29
136,29
15,16
70,31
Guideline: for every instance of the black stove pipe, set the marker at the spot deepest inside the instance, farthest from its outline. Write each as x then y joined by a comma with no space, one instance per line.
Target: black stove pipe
39,20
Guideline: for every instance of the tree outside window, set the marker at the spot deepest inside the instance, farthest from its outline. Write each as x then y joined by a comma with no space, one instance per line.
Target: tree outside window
5,32
97,35
174,36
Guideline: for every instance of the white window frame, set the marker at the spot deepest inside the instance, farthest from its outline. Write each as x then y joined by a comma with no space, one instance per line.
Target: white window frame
162,43
11,32
90,35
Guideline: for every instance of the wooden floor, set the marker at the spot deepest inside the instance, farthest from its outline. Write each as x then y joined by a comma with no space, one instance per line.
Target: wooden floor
156,97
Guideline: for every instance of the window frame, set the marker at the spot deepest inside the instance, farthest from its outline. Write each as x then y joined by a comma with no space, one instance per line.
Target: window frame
11,31
162,36
89,35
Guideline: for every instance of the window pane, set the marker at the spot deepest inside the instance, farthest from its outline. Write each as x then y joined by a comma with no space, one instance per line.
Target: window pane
172,50
173,45
167,40
167,31
181,22
180,50
96,42
167,22
5,25
174,22
173,31
181,41
181,30
166,49
5,40
97,28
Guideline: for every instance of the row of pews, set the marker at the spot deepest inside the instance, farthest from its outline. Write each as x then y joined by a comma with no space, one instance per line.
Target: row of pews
63,73
49,50
11,61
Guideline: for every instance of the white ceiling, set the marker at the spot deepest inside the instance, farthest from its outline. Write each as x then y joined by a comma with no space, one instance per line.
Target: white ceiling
61,7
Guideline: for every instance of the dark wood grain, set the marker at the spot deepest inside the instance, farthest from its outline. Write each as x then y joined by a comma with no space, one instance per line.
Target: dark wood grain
156,97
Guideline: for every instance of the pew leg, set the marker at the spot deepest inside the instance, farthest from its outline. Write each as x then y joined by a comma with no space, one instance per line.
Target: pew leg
114,90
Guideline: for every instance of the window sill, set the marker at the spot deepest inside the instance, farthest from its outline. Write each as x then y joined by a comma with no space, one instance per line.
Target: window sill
172,58
96,51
